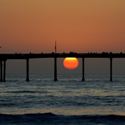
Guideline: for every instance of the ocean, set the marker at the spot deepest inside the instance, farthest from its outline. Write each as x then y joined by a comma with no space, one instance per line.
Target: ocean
65,102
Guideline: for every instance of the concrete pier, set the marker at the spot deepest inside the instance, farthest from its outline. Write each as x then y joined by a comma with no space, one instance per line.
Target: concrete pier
55,56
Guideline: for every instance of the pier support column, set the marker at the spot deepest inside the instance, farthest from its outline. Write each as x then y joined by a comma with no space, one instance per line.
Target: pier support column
111,69
4,71
1,71
83,69
55,68
27,70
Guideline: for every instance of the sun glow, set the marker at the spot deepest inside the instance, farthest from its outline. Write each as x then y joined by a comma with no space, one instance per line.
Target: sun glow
70,63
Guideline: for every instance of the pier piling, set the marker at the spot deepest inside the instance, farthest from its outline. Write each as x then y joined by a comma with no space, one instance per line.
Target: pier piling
55,69
1,70
4,71
83,69
27,70
111,69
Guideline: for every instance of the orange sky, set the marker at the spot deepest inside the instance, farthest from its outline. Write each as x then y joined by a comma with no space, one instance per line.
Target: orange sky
77,25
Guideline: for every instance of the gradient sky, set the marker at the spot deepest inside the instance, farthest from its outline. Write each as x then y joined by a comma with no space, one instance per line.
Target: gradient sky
77,25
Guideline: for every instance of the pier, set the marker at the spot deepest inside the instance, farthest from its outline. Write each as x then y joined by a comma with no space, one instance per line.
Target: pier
4,57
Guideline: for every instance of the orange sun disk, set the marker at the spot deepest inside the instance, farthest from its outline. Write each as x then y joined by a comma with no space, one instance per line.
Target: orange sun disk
70,63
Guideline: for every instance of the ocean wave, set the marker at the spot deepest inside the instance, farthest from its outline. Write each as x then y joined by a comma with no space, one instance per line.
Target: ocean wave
53,119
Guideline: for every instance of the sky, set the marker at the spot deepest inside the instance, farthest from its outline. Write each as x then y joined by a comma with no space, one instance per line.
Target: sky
76,25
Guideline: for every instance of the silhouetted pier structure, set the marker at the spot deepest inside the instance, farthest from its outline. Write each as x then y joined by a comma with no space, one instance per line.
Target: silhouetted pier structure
55,56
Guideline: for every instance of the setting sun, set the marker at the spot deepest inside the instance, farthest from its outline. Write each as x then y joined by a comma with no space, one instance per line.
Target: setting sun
71,63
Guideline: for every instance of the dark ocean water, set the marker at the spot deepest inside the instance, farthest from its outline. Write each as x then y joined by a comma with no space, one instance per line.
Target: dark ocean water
52,119
66,102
